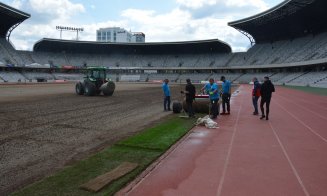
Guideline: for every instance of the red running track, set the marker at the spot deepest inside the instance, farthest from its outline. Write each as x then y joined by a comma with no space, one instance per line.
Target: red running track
285,156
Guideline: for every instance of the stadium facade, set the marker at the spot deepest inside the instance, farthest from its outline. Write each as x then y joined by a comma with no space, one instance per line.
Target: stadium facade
289,44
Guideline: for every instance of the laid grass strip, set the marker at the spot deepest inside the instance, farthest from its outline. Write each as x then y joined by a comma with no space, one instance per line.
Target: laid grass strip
142,149
160,137
313,90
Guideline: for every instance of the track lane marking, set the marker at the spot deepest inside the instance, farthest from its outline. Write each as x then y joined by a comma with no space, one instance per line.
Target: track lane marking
305,101
221,183
296,118
289,161
302,107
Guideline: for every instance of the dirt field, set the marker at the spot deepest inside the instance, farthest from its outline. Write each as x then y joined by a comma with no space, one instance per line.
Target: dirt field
45,127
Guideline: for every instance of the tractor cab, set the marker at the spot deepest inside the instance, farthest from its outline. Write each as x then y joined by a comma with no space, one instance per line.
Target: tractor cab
97,75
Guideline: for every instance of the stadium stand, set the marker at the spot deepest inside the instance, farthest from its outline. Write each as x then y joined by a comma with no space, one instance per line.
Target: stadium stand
11,76
289,44
67,76
38,76
247,78
144,77
195,77
171,77
130,78
309,79
229,76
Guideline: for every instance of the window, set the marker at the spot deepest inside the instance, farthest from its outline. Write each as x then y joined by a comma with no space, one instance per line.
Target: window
97,74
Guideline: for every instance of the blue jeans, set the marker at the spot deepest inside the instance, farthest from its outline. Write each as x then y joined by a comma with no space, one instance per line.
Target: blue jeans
255,104
167,103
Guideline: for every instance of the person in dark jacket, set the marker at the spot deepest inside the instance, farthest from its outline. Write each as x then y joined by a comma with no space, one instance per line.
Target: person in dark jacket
256,95
267,88
190,96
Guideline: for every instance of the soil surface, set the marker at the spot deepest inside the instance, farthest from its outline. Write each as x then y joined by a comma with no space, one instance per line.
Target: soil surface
46,127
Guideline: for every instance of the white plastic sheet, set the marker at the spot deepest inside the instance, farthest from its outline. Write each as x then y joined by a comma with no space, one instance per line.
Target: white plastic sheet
207,122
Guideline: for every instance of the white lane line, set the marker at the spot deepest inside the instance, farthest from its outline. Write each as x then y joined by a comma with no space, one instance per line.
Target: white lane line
221,183
308,103
290,162
313,131
303,107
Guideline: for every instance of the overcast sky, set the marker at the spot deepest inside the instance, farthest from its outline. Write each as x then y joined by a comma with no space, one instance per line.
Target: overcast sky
160,20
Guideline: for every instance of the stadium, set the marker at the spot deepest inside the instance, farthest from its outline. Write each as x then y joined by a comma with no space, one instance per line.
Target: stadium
52,141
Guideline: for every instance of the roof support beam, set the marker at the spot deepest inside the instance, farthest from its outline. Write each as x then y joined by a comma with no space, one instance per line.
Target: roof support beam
11,29
249,36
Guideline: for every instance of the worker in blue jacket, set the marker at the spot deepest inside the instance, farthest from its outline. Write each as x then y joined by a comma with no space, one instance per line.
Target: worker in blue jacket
226,94
212,89
166,91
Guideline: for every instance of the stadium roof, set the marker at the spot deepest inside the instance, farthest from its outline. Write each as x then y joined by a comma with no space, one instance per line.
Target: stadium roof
188,47
10,18
288,20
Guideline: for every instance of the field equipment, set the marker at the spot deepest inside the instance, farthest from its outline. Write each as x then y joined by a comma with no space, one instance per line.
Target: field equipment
95,82
200,105
177,107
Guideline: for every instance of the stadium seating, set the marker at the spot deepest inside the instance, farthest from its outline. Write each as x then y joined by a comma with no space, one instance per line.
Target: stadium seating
308,79
310,47
247,78
229,76
12,76
194,77
67,76
285,51
171,77
130,78
38,75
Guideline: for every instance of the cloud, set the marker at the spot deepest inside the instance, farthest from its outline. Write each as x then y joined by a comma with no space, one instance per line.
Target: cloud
17,4
195,4
189,20
196,20
45,15
223,8
181,25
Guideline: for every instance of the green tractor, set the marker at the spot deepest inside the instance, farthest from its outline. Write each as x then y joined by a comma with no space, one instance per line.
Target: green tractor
95,82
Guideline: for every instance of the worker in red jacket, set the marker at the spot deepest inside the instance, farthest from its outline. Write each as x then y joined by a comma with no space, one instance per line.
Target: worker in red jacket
255,95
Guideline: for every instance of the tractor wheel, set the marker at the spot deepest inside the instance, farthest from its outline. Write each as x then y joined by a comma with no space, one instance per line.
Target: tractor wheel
90,89
109,89
79,88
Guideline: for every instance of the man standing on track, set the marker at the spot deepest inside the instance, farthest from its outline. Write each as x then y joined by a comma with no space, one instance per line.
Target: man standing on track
267,88
190,96
256,95
166,90
212,90
226,94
